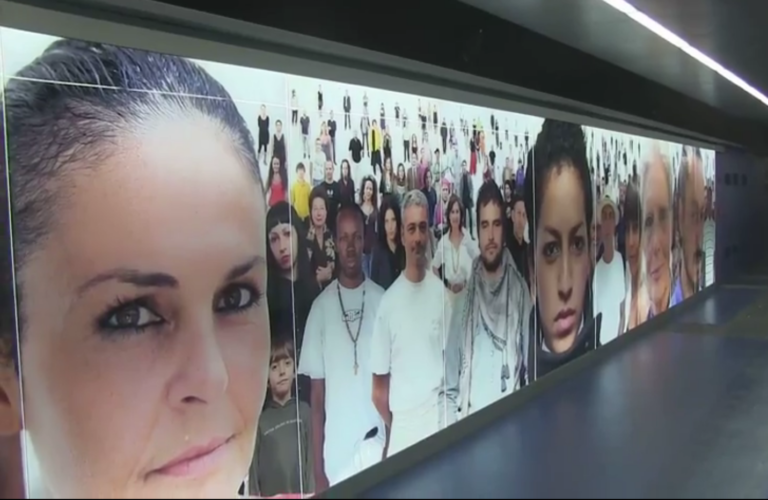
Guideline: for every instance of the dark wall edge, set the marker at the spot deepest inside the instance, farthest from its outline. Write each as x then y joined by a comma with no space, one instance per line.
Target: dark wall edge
452,34
436,444
145,14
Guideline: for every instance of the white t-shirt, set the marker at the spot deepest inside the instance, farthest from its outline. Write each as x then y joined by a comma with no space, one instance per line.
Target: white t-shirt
409,340
609,289
487,365
318,166
328,353
709,252
456,262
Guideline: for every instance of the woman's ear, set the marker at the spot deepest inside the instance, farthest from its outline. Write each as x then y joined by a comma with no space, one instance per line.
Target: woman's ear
10,400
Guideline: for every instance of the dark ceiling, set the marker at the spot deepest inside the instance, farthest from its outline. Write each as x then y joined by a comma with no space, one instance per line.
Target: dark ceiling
732,33
581,50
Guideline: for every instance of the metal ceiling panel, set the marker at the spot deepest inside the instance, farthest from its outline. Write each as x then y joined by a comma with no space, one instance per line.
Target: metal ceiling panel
732,33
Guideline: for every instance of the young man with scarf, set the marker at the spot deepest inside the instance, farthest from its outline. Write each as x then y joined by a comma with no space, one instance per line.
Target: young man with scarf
488,333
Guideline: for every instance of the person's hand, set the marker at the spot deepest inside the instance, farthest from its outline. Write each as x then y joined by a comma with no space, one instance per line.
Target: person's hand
457,287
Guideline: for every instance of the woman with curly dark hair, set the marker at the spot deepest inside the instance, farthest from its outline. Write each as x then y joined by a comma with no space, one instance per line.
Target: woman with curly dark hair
560,206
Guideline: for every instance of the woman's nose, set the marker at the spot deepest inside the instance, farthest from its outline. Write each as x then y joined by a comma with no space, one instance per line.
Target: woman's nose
201,375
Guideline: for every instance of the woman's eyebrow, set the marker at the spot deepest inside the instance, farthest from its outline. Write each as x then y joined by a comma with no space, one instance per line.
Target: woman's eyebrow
145,279
244,268
130,276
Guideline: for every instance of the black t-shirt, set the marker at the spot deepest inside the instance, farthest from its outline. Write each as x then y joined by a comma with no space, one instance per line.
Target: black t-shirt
304,125
356,148
333,194
332,128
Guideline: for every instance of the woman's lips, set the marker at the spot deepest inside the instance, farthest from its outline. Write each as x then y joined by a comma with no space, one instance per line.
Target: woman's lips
197,460
565,321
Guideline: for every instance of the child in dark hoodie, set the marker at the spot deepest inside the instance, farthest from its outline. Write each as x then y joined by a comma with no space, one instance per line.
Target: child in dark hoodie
282,460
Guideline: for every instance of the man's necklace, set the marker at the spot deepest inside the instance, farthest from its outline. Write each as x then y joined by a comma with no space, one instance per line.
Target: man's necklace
356,337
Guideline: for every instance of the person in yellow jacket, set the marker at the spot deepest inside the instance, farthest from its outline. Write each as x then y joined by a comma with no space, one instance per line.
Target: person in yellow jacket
300,192
375,141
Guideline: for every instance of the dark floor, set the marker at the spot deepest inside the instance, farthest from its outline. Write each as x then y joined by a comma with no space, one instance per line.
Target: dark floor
681,413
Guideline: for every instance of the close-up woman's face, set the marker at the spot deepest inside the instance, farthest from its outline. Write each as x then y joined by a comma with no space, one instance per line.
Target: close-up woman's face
368,191
282,244
562,257
455,216
390,224
657,231
633,247
401,171
147,337
388,165
345,169
319,212
276,165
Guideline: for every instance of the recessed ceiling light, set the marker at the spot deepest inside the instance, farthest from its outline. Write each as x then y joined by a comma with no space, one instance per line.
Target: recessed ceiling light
649,23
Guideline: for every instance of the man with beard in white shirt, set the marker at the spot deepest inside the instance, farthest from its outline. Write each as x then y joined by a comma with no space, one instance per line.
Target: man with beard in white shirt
335,355
407,353
489,328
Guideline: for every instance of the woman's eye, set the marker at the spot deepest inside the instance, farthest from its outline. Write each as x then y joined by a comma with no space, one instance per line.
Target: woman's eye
579,243
131,317
550,250
236,298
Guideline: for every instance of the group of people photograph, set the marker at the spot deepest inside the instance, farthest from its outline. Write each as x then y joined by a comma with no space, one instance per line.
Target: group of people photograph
255,297
484,260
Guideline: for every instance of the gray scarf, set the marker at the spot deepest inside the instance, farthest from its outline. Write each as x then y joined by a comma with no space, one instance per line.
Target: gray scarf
498,307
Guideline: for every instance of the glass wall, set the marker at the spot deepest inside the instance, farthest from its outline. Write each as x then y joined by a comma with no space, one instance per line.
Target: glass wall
233,278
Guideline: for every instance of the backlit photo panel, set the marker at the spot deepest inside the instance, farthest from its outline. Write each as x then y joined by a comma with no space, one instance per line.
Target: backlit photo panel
691,211
657,194
145,350
11,471
560,226
297,278
610,172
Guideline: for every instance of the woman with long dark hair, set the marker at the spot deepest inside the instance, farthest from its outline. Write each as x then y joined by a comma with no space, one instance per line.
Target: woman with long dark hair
635,301
387,184
453,258
369,202
277,182
388,256
401,183
346,184
292,286
560,208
